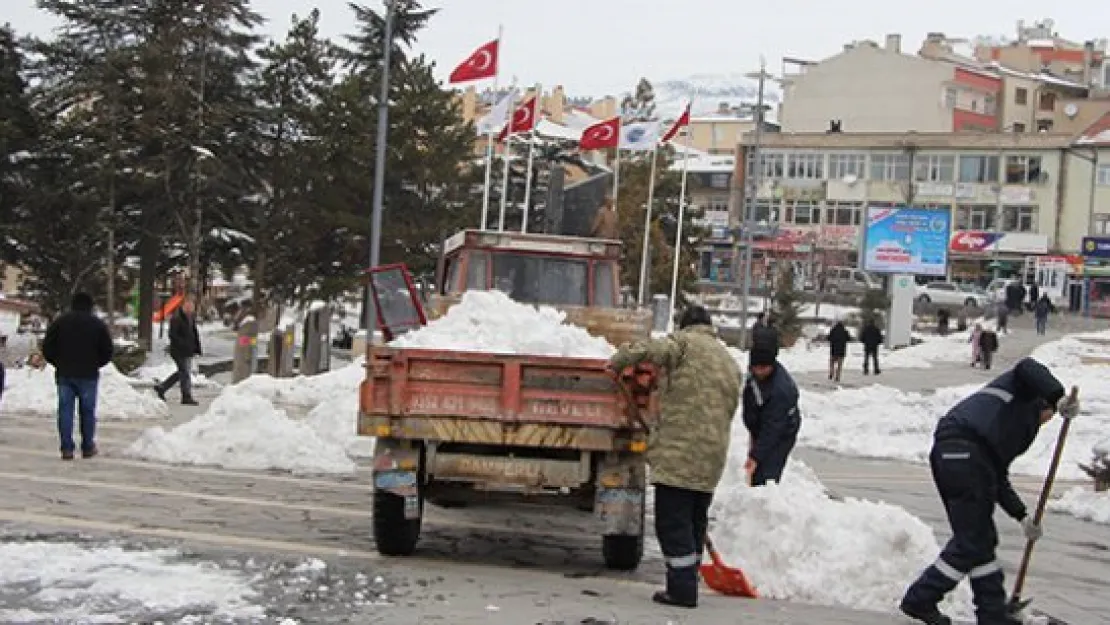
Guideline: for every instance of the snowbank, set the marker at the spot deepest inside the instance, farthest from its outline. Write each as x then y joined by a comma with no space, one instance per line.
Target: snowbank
149,375
336,421
244,431
797,543
488,321
32,392
303,391
807,356
1084,503
64,582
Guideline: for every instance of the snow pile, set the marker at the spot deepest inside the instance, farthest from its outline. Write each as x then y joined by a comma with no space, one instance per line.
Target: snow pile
150,375
1069,351
63,582
808,356
1084,503
336,421
303,391
488,321
33,392
244,431
797,543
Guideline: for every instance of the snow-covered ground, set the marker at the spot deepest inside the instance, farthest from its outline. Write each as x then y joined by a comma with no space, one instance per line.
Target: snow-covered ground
74,583
32,392
149,375
1083,503
884,422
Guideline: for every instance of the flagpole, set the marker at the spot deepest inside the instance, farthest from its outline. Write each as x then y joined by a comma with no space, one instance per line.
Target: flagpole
647,227
531,155
678,235
489,138
616,173
505,177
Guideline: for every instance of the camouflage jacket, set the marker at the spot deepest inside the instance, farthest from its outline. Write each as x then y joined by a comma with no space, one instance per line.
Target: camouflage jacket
700,394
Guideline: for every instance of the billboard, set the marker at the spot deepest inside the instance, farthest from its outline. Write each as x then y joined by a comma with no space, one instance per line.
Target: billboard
1096,247
906,240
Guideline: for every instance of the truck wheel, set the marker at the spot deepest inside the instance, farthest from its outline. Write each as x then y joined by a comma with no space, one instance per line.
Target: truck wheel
393,533
622,552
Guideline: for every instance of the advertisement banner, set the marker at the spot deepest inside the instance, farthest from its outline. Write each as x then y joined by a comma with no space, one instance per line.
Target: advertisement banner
973,241
982,242
906,240
1096,247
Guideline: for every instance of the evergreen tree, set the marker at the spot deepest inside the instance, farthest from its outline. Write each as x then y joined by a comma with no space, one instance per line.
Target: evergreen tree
18,135
787,306
871,306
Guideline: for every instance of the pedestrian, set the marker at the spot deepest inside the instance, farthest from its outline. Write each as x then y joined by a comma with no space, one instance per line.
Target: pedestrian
688,448
942,321
1003,312
976,351
1041,311
78,344
3,375
973,447
184,345
1034,295
838,349
988,345
871,337
1015,294
771,415
764,331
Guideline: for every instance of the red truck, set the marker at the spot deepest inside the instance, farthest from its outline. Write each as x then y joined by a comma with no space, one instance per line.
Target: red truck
465,428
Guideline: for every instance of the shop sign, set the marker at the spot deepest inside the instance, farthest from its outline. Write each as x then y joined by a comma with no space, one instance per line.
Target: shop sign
980,242
1096,247
934,189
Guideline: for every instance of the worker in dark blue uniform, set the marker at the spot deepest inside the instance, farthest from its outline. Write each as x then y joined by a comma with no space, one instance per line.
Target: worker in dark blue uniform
973,447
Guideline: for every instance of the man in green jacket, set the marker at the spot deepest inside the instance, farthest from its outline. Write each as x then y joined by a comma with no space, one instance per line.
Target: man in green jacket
688,448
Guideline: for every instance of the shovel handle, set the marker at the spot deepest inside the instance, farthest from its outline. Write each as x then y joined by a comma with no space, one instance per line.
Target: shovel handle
713,554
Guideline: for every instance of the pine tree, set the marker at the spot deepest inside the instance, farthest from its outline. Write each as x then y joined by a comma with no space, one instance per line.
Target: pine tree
871,306
787,307
18,135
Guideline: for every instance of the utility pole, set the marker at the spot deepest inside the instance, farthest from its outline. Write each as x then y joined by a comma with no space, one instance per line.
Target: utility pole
750,197
369,308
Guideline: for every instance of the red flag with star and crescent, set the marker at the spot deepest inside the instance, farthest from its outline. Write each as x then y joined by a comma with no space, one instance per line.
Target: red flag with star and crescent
524,119
604,134
682,121
482,63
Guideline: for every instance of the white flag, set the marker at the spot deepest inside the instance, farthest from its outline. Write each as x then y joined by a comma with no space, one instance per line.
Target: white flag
641,136
493,121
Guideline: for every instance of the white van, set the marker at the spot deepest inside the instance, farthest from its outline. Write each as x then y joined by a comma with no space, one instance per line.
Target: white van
850,281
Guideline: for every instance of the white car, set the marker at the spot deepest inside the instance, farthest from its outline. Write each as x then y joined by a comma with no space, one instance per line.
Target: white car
949,294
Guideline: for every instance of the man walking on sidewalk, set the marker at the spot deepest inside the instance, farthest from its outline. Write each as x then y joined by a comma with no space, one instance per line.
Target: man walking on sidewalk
184,344
78,344
973,447
871,337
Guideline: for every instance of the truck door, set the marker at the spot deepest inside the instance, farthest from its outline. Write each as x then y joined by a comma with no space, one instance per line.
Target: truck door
397,301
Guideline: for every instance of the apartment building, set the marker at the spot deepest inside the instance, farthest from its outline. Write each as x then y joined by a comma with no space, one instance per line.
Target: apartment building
1038,47
1025,191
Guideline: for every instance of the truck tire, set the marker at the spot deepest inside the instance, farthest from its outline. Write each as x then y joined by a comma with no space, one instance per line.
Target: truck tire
622,552
395,535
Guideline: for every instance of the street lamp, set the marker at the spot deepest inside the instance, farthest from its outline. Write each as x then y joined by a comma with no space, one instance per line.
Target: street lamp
997,229
749,203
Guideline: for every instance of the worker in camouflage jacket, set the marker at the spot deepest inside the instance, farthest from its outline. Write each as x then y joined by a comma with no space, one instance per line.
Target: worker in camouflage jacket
688,448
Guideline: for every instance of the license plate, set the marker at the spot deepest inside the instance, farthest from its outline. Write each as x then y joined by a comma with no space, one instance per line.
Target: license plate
394,479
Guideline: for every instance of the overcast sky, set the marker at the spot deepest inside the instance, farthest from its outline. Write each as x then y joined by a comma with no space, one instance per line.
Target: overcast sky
598,47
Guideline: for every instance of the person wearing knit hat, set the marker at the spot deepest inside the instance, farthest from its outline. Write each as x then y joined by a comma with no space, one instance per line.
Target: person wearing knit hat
973,447
770,414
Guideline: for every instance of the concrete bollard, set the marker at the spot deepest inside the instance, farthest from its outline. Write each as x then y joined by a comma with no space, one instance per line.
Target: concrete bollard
660,308
280,353
316,351
246,350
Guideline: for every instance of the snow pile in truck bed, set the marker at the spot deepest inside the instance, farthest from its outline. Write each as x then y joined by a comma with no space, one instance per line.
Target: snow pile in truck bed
488,321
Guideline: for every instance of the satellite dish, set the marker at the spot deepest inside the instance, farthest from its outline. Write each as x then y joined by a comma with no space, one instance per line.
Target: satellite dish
850,179
1071,110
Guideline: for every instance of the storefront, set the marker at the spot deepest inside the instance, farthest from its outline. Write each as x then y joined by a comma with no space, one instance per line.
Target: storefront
973,256
1096,277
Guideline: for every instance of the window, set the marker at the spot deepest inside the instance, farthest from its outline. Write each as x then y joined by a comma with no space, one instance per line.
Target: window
978,168
843,214
718,181
1102,224
1023,169
716,203
719,134
1021,96
890,167
940,286
477,271
1019,127
763,211
1044,125
772,165
989,104
1047,101
841,165
934,168
604,294
975,217
1019,218
541,279
1104,174
803,213
805,166
951,97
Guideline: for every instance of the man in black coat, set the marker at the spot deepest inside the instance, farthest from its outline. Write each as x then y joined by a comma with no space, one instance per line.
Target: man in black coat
973,447
871,337
988,345
78,344
838,349
184,344
771,415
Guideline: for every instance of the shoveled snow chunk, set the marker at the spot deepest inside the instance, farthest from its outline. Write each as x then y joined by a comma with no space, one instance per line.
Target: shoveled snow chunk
65,582
1085,504
244,431
33,392
488,321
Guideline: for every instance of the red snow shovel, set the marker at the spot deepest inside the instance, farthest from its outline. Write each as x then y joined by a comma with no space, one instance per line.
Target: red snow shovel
1017,605
637,385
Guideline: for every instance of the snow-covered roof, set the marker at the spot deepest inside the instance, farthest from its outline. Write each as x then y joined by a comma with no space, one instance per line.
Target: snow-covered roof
580,120
548,128
1098,138
1041,76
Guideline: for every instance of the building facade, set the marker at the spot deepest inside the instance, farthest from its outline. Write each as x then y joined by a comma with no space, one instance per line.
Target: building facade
1010,196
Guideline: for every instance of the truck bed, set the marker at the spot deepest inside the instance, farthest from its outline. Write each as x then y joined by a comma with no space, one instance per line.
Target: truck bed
506,399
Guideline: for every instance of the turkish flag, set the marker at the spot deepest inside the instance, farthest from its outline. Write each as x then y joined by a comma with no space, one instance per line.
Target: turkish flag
683,120
524,119
482,63
604,134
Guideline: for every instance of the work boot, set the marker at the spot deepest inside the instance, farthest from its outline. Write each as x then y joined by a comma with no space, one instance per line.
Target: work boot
662,597
189,401
929,615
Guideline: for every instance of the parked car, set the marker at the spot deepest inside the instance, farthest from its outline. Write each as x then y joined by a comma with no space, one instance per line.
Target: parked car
949,294
996,290
850,281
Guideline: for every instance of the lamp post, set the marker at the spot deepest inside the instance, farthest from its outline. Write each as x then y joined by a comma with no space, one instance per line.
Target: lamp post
370,313
749,200
997,225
